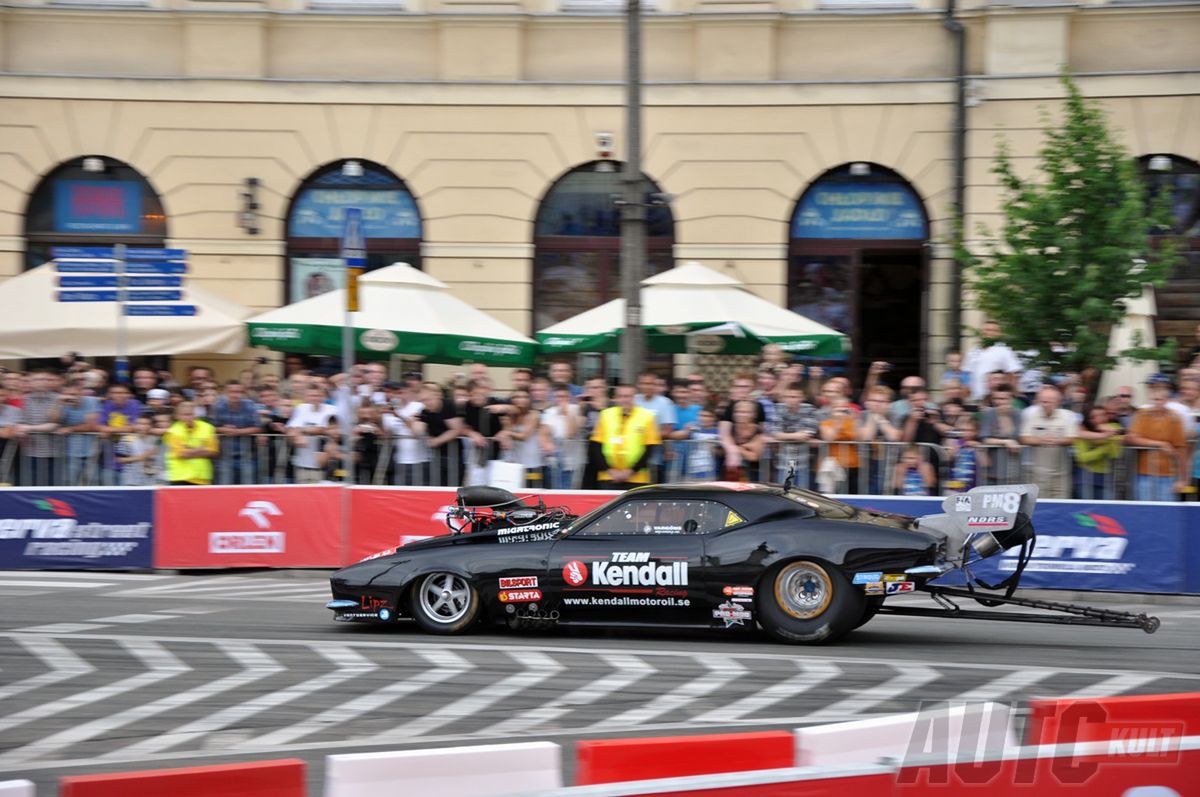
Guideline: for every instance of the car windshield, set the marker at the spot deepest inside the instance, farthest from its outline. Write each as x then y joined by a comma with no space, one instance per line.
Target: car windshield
823,505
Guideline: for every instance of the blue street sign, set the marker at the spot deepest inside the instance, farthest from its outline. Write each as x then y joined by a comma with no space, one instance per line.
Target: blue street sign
354,245
153,296
160,309
93,267
155,268
87,296
106,281
156,254
81,252
154,282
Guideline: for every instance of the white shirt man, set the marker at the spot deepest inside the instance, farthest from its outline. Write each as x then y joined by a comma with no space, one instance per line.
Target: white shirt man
1048,429
404,425
307,425
994,355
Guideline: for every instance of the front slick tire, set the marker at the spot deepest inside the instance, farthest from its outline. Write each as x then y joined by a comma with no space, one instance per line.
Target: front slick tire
808,602
444,603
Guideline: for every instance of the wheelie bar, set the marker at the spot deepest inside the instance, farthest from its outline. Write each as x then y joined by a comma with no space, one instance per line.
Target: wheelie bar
1078,615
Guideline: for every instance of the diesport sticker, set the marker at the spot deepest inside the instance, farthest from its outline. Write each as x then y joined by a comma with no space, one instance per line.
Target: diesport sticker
519,582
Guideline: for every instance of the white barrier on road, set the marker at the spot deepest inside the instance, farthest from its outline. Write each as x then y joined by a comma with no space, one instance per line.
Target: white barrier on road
16,788
480,771
966,731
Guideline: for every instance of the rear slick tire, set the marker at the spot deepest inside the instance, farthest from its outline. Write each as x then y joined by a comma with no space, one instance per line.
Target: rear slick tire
808,602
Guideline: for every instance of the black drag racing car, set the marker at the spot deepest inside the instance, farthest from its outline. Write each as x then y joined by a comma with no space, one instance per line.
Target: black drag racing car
728,556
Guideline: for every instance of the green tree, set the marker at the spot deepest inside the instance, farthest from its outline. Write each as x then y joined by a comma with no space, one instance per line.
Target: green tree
1076,241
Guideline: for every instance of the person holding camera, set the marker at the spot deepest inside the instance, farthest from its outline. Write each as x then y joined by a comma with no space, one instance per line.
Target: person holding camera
923,427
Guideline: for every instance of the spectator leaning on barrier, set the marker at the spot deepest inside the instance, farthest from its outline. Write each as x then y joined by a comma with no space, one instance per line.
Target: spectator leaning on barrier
560,440
1163,467
80,424
236,420
795,427
651,398
923,426
40,411
1097,449
623,441
966,455
913,475
442,429
702,448
838,470
1048,429
519,439
308,424
1189,396
191,446
748,436
9,415
137,452
875,428
999,429
403,423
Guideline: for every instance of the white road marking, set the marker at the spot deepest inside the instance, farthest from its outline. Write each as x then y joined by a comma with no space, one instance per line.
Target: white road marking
62,628
627,670
911,676
256,665
721,670
1113,686
537,667
64,665
89,574
998,688
349,665
812,674
446,665
162,664
133,618
189,586
8,582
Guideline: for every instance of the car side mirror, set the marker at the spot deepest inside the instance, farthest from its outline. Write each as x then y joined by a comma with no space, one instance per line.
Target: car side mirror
690,526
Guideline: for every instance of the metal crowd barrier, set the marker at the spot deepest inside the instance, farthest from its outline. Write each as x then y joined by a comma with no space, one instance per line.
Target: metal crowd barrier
868,468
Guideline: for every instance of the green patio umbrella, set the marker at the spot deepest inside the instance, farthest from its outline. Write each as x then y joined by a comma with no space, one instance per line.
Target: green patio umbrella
403,311
692,308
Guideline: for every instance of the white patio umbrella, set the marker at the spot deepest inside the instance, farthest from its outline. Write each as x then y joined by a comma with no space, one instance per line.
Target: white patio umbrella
34,324
1136,328
693,308
402,310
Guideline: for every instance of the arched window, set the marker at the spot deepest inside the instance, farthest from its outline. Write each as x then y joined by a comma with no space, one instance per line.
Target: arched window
92,201
391,224
577,246
1178,300
856,262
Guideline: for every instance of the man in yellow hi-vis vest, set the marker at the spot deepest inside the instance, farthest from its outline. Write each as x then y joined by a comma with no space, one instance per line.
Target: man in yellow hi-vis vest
623,442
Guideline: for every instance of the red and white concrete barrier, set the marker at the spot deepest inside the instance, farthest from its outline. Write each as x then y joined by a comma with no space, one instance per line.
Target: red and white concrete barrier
612,760
479,771
283,778
965,732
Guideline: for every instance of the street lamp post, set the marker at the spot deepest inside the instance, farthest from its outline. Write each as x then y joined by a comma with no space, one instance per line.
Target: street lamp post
632,204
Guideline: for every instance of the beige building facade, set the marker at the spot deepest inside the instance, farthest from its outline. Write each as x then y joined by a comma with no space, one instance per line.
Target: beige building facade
480,107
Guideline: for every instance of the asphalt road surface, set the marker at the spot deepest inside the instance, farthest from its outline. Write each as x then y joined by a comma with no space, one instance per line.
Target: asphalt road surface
105,672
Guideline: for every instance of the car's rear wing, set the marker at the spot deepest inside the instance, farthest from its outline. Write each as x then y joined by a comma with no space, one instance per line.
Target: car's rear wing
985,519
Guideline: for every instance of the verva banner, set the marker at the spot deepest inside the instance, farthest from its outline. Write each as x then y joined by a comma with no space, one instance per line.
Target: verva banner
108,529
253,526
384,518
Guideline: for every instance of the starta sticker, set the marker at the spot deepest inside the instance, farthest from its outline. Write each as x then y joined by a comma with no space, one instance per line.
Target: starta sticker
732,519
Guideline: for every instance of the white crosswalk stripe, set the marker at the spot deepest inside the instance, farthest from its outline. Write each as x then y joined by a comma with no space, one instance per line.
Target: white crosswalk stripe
161,662
627,670
812,674
253,669
537,668
62,661
721,671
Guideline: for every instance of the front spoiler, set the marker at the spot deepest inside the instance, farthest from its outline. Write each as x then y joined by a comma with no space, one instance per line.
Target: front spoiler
348,611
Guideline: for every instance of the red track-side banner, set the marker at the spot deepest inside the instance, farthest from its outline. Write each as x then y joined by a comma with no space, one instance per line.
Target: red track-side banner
255,526
383,518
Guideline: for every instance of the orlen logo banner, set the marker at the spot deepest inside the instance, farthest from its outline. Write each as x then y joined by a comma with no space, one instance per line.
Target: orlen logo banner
108,529
383,517
1121,546
268,526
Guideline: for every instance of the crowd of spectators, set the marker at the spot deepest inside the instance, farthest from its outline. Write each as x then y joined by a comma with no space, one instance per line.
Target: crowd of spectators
989,420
